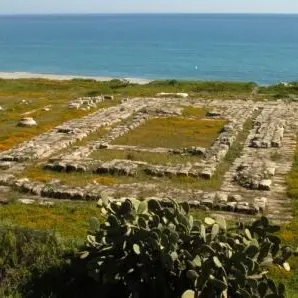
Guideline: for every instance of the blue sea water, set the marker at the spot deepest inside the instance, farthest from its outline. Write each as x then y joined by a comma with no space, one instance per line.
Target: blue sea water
260,48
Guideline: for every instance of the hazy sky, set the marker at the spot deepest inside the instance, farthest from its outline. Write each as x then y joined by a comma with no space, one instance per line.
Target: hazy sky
122,6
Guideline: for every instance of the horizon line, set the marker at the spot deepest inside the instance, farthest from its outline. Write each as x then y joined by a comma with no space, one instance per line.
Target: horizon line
144,13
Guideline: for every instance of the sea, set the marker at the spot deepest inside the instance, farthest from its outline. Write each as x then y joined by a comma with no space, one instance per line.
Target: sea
229,47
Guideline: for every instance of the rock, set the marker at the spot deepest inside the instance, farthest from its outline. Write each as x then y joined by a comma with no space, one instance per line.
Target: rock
220,207
265,184
49,166
208,203
66,130
27,201
103,146
37,189
194,203
183,95
246,209
109,97
255,143
228,127
4,201
207,173
214,114
177,151
5,165
74,105
221,196
195,150
276,143
46,203
271,171
6,179
59,167
20,182
231,206
209,196
236,197
27,122
261,203
71,168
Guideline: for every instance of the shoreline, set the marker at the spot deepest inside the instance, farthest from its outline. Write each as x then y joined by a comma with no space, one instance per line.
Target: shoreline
18,75
62,77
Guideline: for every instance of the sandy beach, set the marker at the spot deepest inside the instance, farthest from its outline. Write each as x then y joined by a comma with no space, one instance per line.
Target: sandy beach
28,75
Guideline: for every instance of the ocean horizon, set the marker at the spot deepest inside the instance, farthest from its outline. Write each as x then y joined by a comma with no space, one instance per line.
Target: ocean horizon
228,47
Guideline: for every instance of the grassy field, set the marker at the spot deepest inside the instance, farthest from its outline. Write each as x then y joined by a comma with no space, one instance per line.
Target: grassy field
57,112
68,219
193,112
173,132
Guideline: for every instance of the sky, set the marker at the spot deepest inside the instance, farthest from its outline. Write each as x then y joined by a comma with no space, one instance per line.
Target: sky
147,6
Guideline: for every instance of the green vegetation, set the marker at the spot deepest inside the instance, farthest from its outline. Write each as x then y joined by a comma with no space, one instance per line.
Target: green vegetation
37,173
173,132
150,157
40,93
190,111
38,264
289,233
11,134
68,219
289,236
288,90
77,179
24,98
78,87
39,243
292,179
23,254
151,250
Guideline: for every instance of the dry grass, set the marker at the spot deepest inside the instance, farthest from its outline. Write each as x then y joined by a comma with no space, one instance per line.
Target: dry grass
14,109
73,179
173,132
193,112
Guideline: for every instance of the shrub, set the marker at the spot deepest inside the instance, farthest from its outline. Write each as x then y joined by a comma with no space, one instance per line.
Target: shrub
147,249
23,253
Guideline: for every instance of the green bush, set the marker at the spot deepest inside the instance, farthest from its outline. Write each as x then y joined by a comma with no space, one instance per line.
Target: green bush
146,249
23,253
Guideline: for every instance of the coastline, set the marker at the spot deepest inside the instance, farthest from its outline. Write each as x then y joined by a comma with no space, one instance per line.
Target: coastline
58,77
139,81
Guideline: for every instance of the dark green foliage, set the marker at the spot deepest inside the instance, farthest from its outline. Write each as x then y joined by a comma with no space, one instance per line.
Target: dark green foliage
23,252
147,249
35,264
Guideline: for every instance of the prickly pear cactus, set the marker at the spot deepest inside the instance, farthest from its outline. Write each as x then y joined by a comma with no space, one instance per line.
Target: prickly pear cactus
153,249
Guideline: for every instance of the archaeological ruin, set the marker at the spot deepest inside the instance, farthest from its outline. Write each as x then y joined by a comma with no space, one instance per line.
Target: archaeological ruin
219,161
